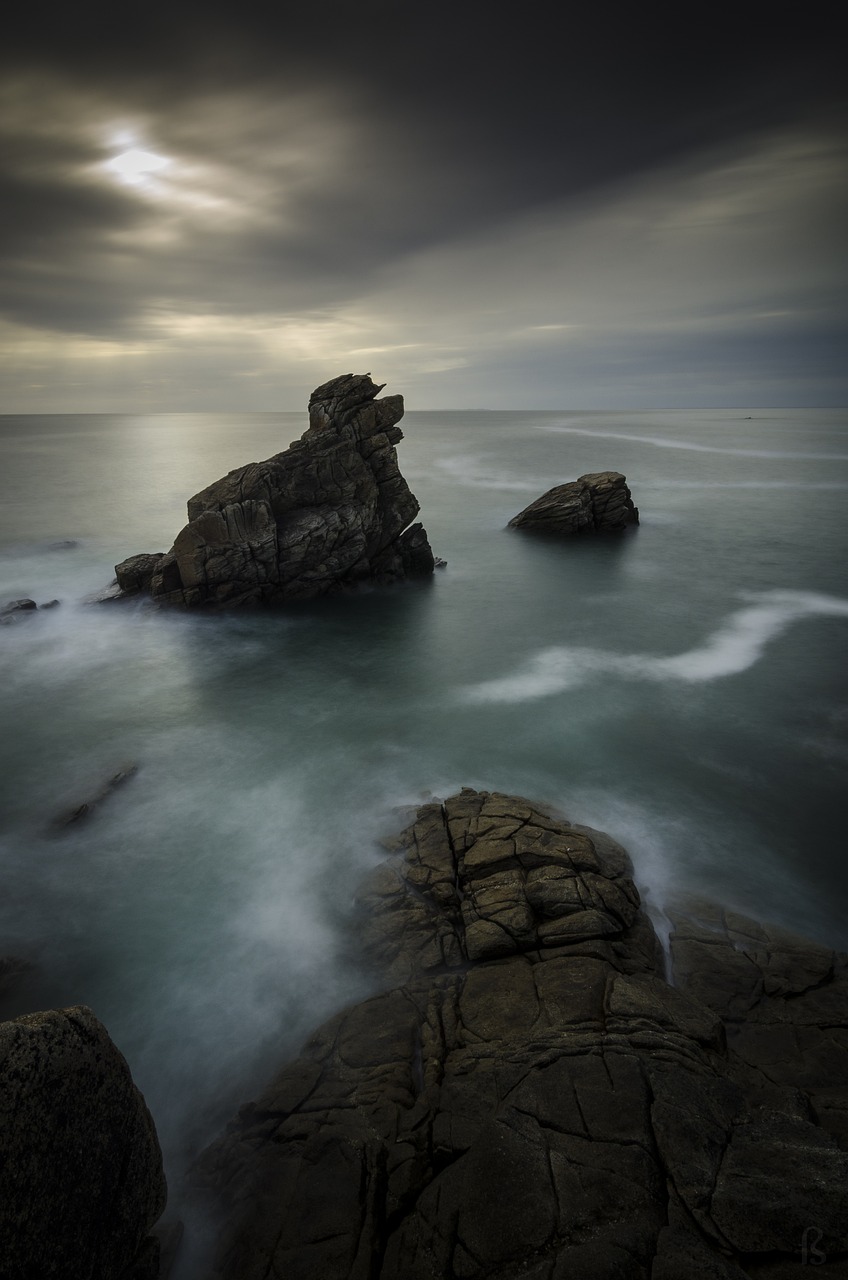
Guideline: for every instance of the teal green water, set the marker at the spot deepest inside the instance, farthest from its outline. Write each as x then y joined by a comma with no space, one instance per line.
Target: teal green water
685,688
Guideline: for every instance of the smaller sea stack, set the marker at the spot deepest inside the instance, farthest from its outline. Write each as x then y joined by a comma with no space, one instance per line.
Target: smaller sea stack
599,502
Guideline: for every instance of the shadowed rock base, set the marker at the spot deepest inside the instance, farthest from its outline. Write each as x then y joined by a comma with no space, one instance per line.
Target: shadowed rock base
531,1098
331,512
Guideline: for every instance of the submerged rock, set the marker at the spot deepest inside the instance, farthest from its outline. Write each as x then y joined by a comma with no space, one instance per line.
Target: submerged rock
14,609
531,1098
81,1182
598,502
80,812
332,511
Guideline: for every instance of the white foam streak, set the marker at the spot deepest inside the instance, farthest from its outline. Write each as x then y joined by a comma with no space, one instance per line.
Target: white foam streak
661,443
813,486
735,647
473,472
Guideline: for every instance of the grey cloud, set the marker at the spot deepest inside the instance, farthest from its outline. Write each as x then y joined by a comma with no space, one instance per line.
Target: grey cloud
438,175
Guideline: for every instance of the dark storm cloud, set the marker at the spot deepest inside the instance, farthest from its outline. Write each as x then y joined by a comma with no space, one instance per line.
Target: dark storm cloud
313,159
465,114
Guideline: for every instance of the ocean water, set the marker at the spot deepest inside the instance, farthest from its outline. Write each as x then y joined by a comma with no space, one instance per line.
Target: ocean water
684,687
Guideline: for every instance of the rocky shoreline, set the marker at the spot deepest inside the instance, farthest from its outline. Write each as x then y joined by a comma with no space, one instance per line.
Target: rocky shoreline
530,1096
540,1090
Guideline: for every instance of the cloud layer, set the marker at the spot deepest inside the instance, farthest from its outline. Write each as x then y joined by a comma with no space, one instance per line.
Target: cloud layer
215,212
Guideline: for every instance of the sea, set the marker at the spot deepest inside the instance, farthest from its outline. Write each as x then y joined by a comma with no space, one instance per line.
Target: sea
683,686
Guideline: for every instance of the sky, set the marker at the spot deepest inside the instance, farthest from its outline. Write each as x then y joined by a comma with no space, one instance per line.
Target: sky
543,206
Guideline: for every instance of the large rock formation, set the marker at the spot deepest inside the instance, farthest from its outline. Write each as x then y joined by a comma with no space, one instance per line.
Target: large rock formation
81,1180
597,502
531,1098
332,511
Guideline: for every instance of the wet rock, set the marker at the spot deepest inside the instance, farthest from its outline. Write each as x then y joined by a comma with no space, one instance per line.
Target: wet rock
113,592
64,544
136,573
783,1000
331,512
529,1096
596,503
83,811
81,1180
13,609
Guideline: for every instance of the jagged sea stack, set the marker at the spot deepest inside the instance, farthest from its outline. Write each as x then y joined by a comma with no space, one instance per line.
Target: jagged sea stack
330,512
599,502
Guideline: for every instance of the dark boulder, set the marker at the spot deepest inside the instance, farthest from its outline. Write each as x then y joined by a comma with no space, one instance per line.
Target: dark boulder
17,608
599,502
531,1097
333,511
81,1182
136,573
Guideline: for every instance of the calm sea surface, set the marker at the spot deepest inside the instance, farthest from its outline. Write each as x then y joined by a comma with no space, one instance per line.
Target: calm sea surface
684,687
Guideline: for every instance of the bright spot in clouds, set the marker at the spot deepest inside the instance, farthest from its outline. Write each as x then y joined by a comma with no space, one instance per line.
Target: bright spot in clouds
136,166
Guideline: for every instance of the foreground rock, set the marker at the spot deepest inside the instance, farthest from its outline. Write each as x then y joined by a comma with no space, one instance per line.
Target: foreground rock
599,502
81,1180
331,512
531,1098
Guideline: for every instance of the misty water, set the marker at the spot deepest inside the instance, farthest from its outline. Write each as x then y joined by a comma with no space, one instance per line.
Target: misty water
683,687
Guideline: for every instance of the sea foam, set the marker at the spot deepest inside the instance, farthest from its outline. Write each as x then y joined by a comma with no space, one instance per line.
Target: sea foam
733,648
661,442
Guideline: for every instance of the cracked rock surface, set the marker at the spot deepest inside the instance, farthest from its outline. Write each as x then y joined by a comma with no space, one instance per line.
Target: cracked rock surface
330,512
598,502
530,1097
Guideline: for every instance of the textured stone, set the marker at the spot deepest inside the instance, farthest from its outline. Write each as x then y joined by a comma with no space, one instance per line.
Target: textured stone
24,605
136,573
331,512
531,1098
14,610
597,502
81,1180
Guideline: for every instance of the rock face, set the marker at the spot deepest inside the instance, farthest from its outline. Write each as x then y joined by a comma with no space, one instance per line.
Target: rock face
81,1180
599,502
332,511
531,1098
